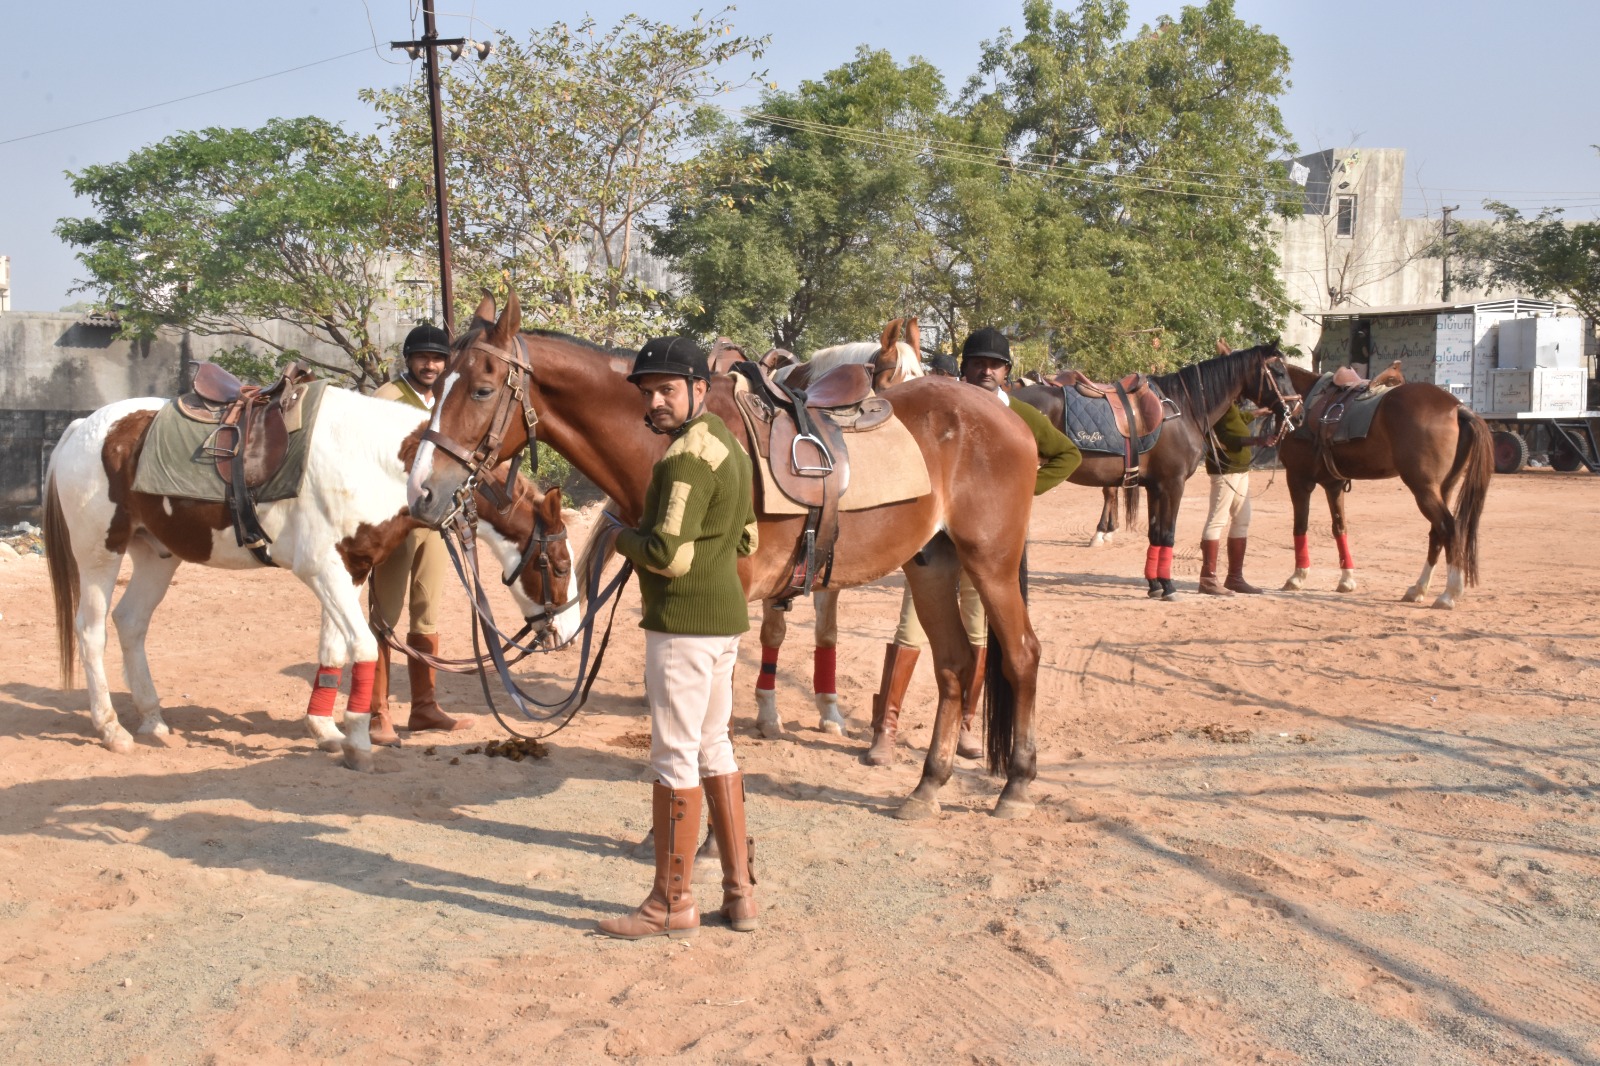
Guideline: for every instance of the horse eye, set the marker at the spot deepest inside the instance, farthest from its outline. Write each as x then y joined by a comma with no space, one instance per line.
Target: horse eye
483,392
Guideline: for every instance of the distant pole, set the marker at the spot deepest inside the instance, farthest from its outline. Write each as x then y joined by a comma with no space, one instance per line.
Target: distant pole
428,48
1444,235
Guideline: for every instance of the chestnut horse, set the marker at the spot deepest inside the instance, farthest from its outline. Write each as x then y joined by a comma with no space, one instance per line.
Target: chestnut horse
980,461
1429,440
1202,393
349,515
896,357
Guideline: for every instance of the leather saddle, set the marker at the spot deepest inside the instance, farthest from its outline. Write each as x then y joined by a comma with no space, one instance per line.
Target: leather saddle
1137,408
801,434
251,439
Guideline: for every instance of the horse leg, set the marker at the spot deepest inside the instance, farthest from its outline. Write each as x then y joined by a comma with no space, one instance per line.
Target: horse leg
97,579
824,682
1108,518
1012,639
345,637
773,628
1441,532
1341,538
1163,504
1300,497
933,591
152,575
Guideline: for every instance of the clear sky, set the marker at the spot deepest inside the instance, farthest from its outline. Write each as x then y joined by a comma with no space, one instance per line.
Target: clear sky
1487,99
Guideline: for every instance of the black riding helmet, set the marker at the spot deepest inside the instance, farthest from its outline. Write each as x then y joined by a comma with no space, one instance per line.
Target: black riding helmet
987,343
945,363
427,338
671,355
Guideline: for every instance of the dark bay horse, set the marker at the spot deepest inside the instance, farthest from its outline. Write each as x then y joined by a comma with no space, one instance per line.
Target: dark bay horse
1202,393
1429,440
503,384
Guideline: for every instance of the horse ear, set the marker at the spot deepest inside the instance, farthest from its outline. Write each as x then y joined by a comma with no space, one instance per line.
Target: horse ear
914,337
1223,348
891,333
505,330
483,317
550,506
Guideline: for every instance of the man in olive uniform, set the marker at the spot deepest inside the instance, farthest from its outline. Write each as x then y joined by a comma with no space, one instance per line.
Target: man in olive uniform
1228,461
985,362
698,520
417,569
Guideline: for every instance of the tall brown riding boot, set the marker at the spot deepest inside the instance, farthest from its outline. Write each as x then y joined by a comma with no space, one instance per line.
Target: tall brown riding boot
898,665
725,801
969,746
1208,569
382,728
1236,581
669,909
425,712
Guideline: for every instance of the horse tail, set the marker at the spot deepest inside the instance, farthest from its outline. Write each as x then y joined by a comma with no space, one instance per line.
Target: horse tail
63,579
1130,506
1476,451
999,698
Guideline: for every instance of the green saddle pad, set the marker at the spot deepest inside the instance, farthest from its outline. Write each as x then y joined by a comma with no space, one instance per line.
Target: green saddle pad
172,461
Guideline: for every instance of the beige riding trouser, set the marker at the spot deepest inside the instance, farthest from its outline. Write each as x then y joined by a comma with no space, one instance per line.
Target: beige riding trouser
689,683
1230,506
418,567
909,634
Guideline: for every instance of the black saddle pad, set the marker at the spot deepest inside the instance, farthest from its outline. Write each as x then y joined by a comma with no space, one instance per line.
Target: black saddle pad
1093,428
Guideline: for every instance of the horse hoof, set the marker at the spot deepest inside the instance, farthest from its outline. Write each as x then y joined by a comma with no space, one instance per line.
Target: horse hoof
915,810
1155,594
1169,597
770,728
1412,595
833,726
1010,808
358,760
119,742
1444,603
333,745
154,728
1097,540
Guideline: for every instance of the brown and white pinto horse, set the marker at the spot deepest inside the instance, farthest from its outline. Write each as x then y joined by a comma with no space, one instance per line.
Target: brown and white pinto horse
980,460
351,512
896,357
1429,440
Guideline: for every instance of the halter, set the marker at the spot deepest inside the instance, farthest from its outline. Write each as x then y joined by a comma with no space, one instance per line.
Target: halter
1289,406
485,457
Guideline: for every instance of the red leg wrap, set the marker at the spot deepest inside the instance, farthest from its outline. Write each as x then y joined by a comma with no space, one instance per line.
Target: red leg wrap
325,690
1152,563
822,679
1346,560
1164,564
1302,551
361,675
767,679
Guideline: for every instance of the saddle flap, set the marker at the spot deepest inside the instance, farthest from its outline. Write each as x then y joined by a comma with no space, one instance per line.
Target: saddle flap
786,448
844,386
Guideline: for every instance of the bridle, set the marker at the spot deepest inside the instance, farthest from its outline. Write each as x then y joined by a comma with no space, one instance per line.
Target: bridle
1289,406
515,392
539,549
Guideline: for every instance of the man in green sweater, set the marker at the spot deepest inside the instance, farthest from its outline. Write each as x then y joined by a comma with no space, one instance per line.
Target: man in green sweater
1228,459
986,363
698,519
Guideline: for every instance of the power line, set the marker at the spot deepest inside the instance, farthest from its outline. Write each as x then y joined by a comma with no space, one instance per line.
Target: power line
181,99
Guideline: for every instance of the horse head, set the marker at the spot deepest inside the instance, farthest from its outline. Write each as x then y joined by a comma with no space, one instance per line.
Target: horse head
1270,388
530,541
484,414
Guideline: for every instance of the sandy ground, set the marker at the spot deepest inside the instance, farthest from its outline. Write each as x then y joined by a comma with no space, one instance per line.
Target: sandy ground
1285,829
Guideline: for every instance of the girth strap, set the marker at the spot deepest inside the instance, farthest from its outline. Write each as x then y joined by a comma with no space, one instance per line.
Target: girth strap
1130,442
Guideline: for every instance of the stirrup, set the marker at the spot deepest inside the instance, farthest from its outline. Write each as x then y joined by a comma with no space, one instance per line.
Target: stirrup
822,451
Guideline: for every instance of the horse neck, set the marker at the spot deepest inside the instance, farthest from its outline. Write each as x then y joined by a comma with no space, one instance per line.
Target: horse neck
591,415
1211,400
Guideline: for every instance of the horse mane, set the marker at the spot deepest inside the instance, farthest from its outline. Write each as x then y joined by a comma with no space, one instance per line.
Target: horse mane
824,359
1212,377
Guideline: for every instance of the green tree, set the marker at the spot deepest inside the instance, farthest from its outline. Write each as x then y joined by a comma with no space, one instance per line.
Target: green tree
560,148
820,244
1541,256
1120,204
220,230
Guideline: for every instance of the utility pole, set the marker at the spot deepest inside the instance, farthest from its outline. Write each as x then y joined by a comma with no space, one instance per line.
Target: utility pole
428,49
1445,233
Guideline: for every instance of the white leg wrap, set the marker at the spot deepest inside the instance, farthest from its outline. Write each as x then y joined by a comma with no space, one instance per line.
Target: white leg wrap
830,720
320,728
1347,581
767,722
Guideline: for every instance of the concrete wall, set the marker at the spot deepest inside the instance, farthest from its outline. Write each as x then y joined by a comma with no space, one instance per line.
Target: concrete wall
1380,265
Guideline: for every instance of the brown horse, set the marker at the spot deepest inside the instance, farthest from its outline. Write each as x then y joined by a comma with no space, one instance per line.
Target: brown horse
980,463
1202,393
1425,437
